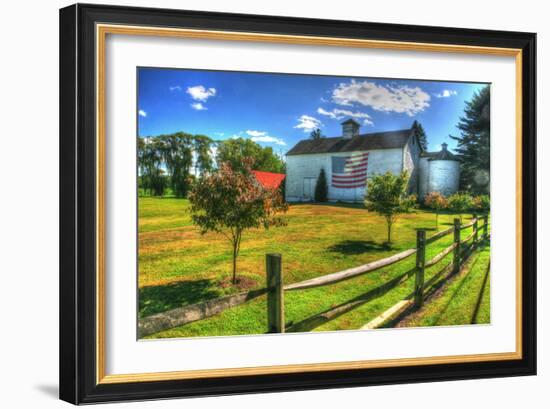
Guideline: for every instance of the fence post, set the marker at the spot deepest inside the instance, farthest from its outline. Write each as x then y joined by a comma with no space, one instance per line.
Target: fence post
475,230
420,263
456,254
275,294
485,220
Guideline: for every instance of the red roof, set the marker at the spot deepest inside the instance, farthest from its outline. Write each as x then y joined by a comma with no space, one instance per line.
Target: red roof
268,179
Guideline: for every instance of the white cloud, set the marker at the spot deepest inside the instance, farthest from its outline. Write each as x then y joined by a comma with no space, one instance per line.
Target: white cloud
446,93
198,106
175,88
331,114
262,136
386,98
269,139
142,113
338,114
200,93
308,123
256,133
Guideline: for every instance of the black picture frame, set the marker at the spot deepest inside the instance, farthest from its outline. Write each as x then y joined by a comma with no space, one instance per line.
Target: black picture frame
78,258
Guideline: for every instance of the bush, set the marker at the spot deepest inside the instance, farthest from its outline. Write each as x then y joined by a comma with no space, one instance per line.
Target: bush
460,203
482,203
321,188
437,202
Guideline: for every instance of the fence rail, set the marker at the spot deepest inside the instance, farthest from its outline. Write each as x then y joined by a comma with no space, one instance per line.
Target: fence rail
196,312
438,257
439,235
275,288
350,273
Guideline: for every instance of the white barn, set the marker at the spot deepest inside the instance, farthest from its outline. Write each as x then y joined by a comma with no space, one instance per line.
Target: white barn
349,160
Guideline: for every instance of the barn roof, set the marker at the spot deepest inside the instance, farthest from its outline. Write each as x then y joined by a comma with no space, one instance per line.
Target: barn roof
364,142
268,179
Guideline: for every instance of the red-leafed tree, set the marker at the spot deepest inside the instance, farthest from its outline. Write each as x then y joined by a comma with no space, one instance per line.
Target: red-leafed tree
231,201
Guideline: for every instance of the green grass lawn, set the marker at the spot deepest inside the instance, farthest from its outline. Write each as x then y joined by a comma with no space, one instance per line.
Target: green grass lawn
465,299
178,266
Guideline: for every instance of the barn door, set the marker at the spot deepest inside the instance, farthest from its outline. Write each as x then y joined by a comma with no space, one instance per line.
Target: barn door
309,188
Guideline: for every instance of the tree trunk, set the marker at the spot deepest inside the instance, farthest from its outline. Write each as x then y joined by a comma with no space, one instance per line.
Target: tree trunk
234,262
236,249
389,232
436,221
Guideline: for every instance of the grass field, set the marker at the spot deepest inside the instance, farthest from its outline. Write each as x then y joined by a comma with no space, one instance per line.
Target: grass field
463,300
178,266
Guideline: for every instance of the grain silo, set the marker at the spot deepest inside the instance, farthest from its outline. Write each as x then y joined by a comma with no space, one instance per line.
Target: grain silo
439,172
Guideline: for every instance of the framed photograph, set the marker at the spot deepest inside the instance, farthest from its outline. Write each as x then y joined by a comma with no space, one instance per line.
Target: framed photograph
258,203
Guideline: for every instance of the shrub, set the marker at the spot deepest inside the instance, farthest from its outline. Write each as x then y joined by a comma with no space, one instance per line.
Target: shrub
460,203
321,188
482,203
437,202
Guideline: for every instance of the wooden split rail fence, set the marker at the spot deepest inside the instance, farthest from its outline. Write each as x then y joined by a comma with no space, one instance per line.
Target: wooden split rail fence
275,289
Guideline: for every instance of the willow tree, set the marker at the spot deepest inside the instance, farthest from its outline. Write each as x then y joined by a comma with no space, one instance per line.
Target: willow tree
177,151
150,162
203,153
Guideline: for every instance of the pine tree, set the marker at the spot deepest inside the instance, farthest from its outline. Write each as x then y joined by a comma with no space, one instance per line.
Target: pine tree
321,188
421,135
473,144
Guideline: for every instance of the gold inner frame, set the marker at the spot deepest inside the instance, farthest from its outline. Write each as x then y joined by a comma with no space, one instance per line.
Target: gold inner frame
102,30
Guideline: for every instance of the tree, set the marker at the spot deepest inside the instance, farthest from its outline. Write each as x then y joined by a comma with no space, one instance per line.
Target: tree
177,150
473,144
233,151
482,203
316,134
386,195
437,202
321,188
203,151
421,135
231,201
460,203
150,160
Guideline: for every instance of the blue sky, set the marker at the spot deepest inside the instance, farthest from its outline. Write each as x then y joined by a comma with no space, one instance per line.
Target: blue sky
278,110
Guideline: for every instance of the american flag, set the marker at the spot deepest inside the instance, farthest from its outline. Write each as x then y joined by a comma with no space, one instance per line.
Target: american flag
350,171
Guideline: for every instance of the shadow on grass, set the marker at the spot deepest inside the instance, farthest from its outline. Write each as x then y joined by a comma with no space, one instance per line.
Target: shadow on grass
161,298
480,296
350,247
317,320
